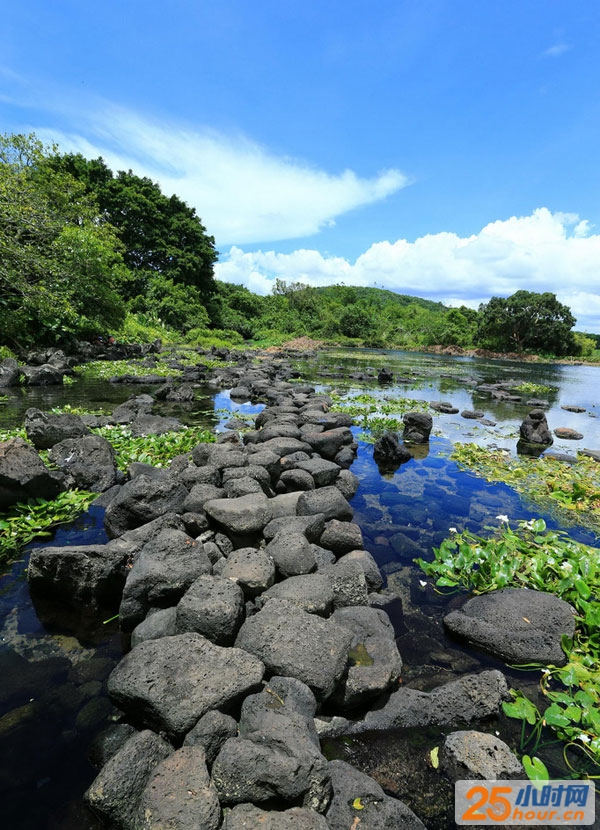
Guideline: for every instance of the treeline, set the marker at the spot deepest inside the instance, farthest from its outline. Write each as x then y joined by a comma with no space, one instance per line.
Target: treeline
85,251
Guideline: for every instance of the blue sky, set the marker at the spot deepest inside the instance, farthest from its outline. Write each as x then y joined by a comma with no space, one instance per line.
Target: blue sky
443,148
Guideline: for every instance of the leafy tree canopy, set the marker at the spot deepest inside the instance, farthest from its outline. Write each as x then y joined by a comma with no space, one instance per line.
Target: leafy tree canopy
161,234
60,263
527,321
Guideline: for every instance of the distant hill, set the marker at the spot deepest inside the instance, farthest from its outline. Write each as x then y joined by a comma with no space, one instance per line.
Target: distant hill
376,296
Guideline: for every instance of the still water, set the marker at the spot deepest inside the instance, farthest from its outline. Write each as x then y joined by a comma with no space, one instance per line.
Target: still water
52,678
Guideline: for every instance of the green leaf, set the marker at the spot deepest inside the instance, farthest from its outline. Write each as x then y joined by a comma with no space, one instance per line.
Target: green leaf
535,769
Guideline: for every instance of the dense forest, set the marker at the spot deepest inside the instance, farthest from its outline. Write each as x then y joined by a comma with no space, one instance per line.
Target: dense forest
85,251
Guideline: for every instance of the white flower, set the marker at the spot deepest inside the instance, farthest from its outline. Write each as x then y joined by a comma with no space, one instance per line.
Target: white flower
502,518
422,583
566,567
452,530
584,738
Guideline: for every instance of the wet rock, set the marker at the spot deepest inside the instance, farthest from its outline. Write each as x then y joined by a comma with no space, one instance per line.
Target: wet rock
471,698
472,414
81,576
108,742
179,794
115,793
328,443
516,624
128,411
23,474
478,755
142,500
297,644
9,372
378,810
44,375
444,407
374,663
168,684
569,434
535,430
417,427
571,408
385,376
389,453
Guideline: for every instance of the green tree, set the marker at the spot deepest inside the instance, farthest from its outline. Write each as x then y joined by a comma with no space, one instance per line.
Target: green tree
526,321
161,234
459,327
60,262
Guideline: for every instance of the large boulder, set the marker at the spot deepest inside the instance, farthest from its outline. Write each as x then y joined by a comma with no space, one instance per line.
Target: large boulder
141,500
326,500
417,427
292,553
243,516
44,375
170,683
277,754
374,663
88,462
9,372
81,576
470,755
179,794
329,442
45,429
535,429
311,592
212,606
115,793
357,796
469,699
516,624
389,453
161,573
23,474
253,570
294,643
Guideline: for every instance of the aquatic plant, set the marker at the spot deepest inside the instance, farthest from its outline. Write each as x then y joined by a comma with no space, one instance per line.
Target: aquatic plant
158,450
530,388
36,519
532,557
571,489
104,370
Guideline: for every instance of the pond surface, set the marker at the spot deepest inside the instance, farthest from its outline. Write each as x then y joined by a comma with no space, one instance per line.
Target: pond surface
52,691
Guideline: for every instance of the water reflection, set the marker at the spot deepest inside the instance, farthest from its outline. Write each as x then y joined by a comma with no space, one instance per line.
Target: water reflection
52,696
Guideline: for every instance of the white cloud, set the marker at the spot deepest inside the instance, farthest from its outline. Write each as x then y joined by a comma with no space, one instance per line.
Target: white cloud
243,192
556,50
541,252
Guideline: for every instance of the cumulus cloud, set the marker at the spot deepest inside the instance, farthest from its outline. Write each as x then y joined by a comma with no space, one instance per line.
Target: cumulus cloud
540,252
244,192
